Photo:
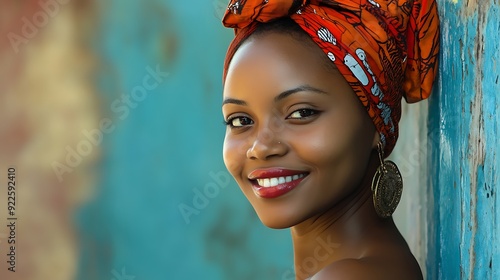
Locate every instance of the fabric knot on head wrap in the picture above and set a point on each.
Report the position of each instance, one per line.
(385, 49)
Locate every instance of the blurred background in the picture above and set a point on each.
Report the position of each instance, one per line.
(110, 113)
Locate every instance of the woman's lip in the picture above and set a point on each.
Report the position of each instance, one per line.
(276, 191)
(273, 173)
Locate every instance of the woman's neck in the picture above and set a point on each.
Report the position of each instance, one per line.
(339, 232)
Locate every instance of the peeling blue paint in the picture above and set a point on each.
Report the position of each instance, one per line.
(465, 159)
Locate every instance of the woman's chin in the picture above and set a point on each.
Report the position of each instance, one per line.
(277, 221)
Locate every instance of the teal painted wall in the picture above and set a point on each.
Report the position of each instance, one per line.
(464, 143)
(165, 154)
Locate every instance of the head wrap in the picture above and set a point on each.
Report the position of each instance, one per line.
(385, 49)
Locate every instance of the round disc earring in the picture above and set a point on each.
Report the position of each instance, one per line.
(387, 186)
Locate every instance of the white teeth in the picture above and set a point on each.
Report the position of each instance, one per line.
(266, 183)
(273, 182)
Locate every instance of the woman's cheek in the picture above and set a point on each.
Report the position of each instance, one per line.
(233, 154)
(318, 142)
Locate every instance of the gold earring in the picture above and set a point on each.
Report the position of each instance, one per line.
(387, 186)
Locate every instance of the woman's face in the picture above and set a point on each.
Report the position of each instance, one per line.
(298, 139)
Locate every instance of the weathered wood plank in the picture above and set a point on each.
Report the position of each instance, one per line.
(464, 128)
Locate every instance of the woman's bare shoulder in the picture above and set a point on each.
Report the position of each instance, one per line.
(370, 268)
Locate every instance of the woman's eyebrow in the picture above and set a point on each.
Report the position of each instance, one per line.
(289, 92)
(234, 101)
(279, 97)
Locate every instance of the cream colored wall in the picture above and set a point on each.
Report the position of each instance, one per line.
(410, 154)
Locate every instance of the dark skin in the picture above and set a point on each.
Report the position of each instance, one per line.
(319, 128)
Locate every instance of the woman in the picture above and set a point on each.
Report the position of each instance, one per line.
(312, 93)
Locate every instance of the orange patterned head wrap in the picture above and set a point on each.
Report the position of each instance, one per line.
(385, 49)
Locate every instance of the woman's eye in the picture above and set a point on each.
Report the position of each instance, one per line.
(303, 113)
(239, 121)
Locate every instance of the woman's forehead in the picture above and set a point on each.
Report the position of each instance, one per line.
(273, 51)
(276, 63)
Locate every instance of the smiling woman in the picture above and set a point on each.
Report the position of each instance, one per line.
(293, 120)
(305, 151)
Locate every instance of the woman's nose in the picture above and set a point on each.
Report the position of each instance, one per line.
(266, 145)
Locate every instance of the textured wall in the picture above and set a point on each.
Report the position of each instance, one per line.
(464, 135)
